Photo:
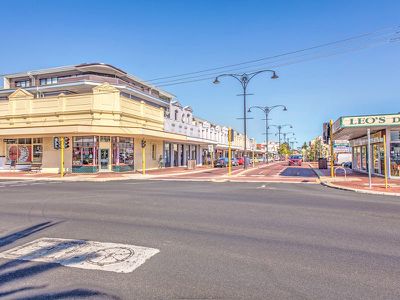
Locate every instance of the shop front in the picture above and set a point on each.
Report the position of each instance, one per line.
(176, 154)
(91, 154)
(382, 129)
(21, 153)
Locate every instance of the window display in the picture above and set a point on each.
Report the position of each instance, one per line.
(21, 151)
(395, 159)
(122, 151)
(84, 151)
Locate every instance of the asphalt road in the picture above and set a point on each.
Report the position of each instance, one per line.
(216, 240)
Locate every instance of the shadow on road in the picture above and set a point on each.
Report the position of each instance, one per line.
(17, 270)
(301, 172)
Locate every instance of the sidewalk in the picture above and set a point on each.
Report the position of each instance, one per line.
(358, 182)
(105, 176)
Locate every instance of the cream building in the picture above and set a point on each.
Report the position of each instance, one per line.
(105, 113)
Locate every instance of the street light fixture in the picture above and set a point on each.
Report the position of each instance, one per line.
(244, 80)
(267, 110)
(280, 129)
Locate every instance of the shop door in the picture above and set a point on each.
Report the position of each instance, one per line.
(104, 159)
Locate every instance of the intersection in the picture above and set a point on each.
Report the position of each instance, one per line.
(217, 240)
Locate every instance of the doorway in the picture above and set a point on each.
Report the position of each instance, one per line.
(104, 159)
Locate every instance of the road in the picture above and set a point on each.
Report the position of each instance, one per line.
(216, 240)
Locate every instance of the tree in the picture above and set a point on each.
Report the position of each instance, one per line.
(284, 149)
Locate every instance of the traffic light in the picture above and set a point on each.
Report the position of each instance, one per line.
(326, 133)
(56, 143)
(66, 142)
(143, 143)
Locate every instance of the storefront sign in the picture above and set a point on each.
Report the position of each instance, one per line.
(341, 147)
(365, 121)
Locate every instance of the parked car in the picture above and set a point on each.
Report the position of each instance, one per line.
(223, 162)
(295, 160)
(240, 160)
(347, 164)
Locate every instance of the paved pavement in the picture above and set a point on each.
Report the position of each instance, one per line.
(216, 240)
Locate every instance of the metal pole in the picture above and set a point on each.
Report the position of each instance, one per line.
(369, 157)
(331, 148)
(245, 127)
(385, 161)
(143, 160)
(229, 152)
(62, 157)
(266, 134)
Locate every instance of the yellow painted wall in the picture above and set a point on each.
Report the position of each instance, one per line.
(150, 162)
(51, 157)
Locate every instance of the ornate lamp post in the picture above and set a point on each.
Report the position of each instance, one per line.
(266, 110)
(244, 80)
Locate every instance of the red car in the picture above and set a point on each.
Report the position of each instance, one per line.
(240, 160)
(295, 160)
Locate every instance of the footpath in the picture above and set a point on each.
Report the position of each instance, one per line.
(357, 182)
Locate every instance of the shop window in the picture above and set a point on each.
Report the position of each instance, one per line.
(395, 158)
(395, 136)
(123, 151)
(105, 139)
(154, 151)
(84, 151)
(21, 151)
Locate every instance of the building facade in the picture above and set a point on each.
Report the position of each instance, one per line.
(106, 114)
(383, 129)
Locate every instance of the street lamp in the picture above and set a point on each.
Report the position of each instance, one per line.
(285, 135)
(267, 110)
(280, 130)
(244, 80)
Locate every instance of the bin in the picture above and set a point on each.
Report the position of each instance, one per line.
(191, 165)
(322, 163)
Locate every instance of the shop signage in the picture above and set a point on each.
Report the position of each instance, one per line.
(10, 141)
(366, 121)
(341, 147)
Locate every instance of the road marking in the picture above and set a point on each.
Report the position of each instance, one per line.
(120, 258)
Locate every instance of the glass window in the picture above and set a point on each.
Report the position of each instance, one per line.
(395, 159)
(154, 151)
(37, 153)
(123, 151)
(54, 80)
(395, 136)
(42, 81)
(21, 151)
(84, 151)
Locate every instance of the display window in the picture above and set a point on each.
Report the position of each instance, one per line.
(123, 151)
(395, 158)
(84, 151)
(24, 151)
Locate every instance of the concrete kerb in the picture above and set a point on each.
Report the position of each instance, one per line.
(344, 188)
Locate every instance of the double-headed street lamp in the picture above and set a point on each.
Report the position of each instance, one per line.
(244, 80)
(285, 134)
(267, 110)
(280, 127)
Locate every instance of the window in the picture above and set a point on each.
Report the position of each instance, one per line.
(47, 81)
(154, 151)
(23, 151)
(122, 151)
(23, 83)
(84, 151)
(176, 115)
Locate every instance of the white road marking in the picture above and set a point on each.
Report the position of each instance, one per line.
(120, 258)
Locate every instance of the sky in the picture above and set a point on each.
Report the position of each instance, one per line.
(152, 39)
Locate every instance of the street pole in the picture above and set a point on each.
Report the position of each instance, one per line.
(229, 152)
(266, 110)
(244, 80)
(62, 157)
(331, 147)
(369, 157)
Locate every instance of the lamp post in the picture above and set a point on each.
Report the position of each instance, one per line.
(266, 110)
(280, 127)
(244, 80)
(285, 135)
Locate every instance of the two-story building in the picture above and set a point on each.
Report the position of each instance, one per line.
(104, 111)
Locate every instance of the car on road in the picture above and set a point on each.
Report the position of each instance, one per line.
(223, 162)
(347, 164)
(240, 160)
(295, 160)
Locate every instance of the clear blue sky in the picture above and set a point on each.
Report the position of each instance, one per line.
(159, 38)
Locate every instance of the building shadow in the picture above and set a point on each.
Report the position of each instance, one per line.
(18, 271)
